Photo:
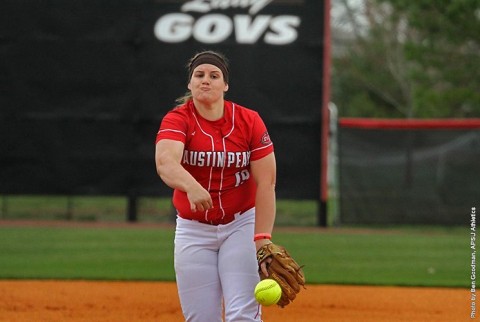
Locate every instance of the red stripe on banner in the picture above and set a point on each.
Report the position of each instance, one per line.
(409, 124)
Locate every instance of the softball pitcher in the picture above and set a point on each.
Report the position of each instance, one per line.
(219, 159)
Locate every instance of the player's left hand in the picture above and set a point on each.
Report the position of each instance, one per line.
(263, 266)
(274, 262)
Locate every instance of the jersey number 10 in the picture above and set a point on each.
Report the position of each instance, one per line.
(241, 177)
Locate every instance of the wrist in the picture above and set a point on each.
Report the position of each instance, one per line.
(261, 236)
(261, 242)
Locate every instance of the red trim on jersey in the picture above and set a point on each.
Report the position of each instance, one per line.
(409, 124)
(218, 154)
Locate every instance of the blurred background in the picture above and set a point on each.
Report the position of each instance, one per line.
(373, 106)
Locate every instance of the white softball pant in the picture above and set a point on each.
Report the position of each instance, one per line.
(216, 267)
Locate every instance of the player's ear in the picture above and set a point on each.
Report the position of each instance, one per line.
(225, 89)
(189, 86)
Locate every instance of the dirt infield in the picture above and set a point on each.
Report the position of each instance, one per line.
(91, 301)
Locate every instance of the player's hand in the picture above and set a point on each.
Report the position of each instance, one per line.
(263, 266)
(200, 199)
(283, 269)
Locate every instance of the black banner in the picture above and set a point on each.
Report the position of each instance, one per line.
(84, 85)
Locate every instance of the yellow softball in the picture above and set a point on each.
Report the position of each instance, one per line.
(268, 292)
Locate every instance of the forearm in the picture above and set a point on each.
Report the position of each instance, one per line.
(176, 177)
(264, 210)
(168, 155)
(264, 172)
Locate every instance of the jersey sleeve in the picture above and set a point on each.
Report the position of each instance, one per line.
(174, 126)
(261, 144)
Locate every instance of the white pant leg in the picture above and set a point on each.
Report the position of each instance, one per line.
(196, 268)
(238, 269)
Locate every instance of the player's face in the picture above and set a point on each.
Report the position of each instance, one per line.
(207, 84)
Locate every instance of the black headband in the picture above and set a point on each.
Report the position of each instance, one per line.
(209, 58)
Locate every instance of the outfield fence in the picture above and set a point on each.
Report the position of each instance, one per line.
(408, 171)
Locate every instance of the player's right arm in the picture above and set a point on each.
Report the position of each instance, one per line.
(168, 155)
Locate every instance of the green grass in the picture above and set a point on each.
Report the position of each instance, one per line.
(407, 256)
(114, 208)
(86, 253)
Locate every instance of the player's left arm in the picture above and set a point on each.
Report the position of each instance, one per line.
(264, 173)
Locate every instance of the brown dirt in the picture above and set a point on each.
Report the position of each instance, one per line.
(25, 300)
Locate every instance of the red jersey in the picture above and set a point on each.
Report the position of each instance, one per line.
(218, 154)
